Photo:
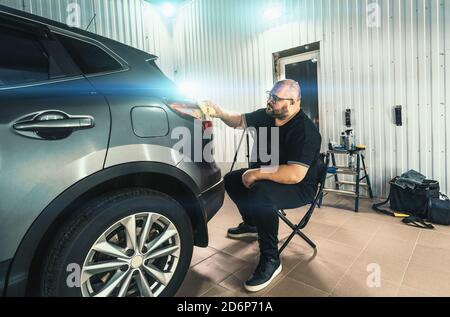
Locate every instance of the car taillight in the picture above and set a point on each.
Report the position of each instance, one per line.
(207, 125)
(191, 110)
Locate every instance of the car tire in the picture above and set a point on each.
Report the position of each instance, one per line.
(99, 233)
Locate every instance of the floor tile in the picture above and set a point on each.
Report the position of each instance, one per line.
(392, 247)
(406, 291)
(219, 291)
(355, 284)
(433, 258)
(392, 268)
(244, 250)
(429, 280)
(356, 238)
(429, 238)
(318, 229)
(398, 231)
(319, 274)
(291, 288)
(218, 267)
(201, 254)
(363, 224)
(194, 285)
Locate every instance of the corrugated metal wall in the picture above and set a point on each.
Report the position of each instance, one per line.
(226, 47)
(133, 22)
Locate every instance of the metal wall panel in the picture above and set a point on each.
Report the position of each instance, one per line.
(225, 47)
(13, 4)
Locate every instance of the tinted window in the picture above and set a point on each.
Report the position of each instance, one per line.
(22, 58)
(90, 58)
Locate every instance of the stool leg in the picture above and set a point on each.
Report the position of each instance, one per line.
(287, 242)
(301, 234)
(319, 204)
(358, 179)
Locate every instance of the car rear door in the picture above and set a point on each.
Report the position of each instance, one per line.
(54, 126)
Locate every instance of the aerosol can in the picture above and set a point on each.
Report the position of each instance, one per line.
(348, 140)
(351, 161)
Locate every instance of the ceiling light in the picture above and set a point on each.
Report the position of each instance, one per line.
(168, 9)
(273, 13)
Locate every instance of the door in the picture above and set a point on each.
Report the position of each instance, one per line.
(304, 69)
(54, 126)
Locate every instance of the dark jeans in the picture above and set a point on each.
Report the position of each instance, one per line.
(258, 205)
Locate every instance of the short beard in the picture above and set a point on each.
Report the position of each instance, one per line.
(280, 115)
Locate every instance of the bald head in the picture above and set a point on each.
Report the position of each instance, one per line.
(284, 100)
(291, 87)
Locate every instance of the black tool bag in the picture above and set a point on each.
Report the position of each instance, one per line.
(410, 201)
(439, 211)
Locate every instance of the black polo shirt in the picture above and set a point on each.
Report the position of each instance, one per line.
(299, 142)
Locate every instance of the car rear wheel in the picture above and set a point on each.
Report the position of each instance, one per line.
(133, 243)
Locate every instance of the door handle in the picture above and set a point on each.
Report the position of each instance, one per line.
(70, 123)
(52, 125)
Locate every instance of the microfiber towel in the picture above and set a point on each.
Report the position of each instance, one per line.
(410, 179)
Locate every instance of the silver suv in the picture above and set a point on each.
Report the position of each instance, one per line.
(95, 200)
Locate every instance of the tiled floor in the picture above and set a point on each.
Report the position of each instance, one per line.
(412, 262)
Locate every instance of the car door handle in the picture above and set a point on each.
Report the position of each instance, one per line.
(70, 123)
(51, 124)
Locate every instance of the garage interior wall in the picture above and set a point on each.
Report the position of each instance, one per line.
(225, 47)
(223, 50)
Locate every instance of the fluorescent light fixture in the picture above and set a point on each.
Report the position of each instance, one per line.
(273, 13)
(168, 9)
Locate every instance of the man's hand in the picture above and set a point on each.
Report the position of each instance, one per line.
(249, 177)
(211, 109)
(233, 120)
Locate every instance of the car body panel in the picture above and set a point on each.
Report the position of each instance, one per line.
(142, 153)
(4, 267)
(34, 171)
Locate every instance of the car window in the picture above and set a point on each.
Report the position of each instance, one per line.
(90, 58)
(22, 58)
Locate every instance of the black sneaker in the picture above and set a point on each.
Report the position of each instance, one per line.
(243, 231)
(266, 271)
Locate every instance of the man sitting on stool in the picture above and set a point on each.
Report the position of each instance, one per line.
(259, 192)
